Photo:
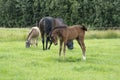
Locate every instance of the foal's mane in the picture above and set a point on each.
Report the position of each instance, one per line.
(59, 27)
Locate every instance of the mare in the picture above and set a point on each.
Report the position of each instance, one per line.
(66, 34)
(46, 25)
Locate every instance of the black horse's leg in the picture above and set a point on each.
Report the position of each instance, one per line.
(50, 44)
(43, 43)
(42, 35)
(47, 40)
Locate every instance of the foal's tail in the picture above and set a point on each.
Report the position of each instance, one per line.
(84, 28)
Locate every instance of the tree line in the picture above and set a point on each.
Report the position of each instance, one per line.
(92, 13)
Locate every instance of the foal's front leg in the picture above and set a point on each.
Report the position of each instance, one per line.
(64, 50)
(61, 43)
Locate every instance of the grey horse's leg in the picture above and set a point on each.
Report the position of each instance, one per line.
(37, 42)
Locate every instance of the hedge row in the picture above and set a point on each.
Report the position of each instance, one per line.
(92, 13)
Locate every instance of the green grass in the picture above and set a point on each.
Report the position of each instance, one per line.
(105, 34)
(13, 34)
(20, 63)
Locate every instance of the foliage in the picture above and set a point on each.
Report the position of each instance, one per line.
(93, 13)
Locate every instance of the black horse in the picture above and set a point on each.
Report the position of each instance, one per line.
(46, 25)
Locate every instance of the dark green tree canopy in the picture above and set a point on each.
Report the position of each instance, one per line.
(92, 13)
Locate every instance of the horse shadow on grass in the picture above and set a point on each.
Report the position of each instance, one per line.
(67, 59)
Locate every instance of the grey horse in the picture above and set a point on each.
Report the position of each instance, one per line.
(32, 37)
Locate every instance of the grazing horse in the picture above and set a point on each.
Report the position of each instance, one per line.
(46, 25)
(66, 34)
(32, 37)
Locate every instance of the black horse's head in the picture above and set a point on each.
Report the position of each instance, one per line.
(27, 44)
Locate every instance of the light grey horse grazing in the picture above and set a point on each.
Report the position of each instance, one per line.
(32, 37)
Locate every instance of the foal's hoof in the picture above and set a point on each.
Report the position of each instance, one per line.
(84, 58)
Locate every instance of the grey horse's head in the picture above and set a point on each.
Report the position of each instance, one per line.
(27, 44)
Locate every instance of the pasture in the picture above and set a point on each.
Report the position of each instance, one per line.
(20, 63)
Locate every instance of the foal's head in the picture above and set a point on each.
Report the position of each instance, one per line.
(53, 37)
(55, 33)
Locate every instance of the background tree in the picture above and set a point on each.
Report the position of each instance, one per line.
(92, 13)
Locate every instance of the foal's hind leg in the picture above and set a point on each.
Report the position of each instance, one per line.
(83, 49)
(82, 45)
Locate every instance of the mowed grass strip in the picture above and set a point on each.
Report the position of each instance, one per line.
(13, 34)
(20, 34)
(20, 63)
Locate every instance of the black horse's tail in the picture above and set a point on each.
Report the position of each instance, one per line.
(84, 28)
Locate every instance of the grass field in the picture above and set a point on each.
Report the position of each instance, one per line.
(19, 63)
